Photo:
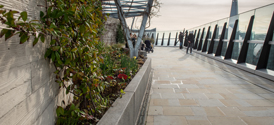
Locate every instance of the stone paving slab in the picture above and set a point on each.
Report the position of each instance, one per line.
(188, 91)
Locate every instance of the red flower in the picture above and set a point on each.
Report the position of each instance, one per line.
(110, 77)
(122, 76)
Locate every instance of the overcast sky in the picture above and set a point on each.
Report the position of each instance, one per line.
(180, 14)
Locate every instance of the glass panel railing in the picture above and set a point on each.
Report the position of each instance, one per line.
(236, 50)
(208, 44)
(212, 26)
(205, 33)
(230, 26)
(216, 42)
(224, 47)
(260, 26)
(243, 22)
(270, 63)
(253, 53)
(261, 22)
(220, 27)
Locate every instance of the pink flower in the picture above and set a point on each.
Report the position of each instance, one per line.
(122, 76)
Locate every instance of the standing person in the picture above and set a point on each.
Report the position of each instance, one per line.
(190, 41)
(181, 37)
(133, 39)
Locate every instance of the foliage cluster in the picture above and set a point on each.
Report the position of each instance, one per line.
(119, 34)
(96, 72)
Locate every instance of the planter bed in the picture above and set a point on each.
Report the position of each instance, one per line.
(126, 110)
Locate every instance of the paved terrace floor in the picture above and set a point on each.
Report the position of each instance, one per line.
(186, 90)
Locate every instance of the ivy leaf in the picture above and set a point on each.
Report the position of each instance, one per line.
(53, 57)
(53, 42)
(60, 111)
(9, 34)
(24, 15)
(35, 41)
(42, 37)
(72, 107)
(48, 52)
(41, 14)
(3, 32)
(24, 38)
(55, 48)
(1, 6)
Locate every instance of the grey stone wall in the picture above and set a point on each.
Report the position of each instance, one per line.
(28, 92)
(109, 35)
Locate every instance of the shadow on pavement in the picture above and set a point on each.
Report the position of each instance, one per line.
(184, 57)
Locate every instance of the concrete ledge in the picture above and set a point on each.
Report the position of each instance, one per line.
(126, 110)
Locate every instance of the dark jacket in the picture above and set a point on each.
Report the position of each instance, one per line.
(181, 37)
(147, 42)
(190, 38)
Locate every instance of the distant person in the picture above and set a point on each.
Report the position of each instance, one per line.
(148, 46)
(133, 39)
(181, 37)
(190, 39)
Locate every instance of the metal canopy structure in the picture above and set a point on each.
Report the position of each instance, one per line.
(123, 9)
(131, 8)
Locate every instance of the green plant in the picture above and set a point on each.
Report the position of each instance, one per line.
(119, 34)
(74, 27)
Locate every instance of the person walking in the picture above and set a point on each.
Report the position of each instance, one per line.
(190, 39)
(181, 37)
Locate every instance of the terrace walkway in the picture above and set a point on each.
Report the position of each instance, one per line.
(195, 90)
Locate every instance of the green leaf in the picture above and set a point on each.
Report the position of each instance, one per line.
(41, 14)
(24, 38)
(24, 15)
(42, 37)
(84, 89)
(48, 52)
(53, 42)
(35, 41)
(60, 111)
(1, 6)
(55, 48)
(9, 34)
(53, 57)
(74, 50)
(82, 28)
(72, 107)
(3, 32)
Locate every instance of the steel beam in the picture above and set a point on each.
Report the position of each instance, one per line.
(143, 26)
(163, 39)
(168, 39)
(157, 39)
(124, 24)
(197, 40)
(206, 40)
(263, 60)
(220, 45)
(175, 41)
(243, 52)
(229, 50)
(201, 40)
(132, 23)
(211, 46)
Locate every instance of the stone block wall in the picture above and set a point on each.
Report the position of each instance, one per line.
(109, 35)
(28, 92)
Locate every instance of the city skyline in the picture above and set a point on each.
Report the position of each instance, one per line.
(180, 14)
